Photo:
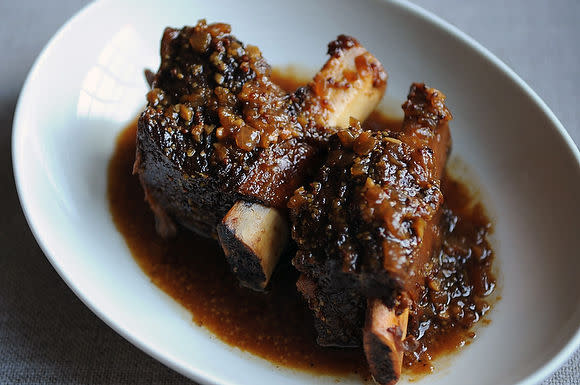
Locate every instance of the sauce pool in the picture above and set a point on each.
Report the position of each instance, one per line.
(278, 325)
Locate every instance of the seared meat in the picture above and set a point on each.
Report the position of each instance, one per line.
(214, 125)
(350, 84)
(217, 130)
(367, 224)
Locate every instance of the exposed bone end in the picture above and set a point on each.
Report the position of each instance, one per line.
(253, 238)
(350, 84)
(383, 337)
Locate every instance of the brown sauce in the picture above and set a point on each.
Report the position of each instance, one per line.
(278, 325)
(461, 282)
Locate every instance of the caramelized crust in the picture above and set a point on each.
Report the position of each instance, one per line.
(217, 129)
(368, 222)
(212, 79)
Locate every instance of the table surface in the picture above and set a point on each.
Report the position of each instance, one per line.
(48, 336)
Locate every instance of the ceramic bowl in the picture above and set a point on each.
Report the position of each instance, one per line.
(88, 84)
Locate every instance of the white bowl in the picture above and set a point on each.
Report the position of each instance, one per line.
(88, 83)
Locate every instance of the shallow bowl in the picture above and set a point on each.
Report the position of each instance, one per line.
(88, 84)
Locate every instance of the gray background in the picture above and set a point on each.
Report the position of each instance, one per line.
(48, 336)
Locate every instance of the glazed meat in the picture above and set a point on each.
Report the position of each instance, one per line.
(366, 226)
(350, 84)
(218, 131)
(213, 123)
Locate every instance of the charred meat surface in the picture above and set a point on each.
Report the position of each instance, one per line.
(218, 134)
(215, 130)
(367, 224)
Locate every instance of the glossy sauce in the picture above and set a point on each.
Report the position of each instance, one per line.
(460, 284)
(278, 325)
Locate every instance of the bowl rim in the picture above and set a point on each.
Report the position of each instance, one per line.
(198, 374)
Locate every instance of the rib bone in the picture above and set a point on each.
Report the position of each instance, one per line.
(350, 84)
(383, 337)
(248, 248)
